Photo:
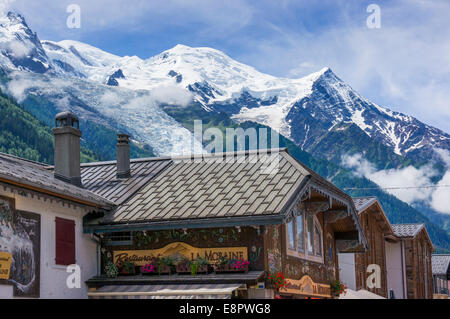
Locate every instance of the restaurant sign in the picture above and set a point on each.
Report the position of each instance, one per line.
(306, 287)
(5, 265)
(180, 249)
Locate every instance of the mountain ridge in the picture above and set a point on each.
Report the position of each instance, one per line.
(112, 93)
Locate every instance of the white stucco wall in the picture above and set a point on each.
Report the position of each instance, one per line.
(53, 277)
(395, 273)
(347, 270)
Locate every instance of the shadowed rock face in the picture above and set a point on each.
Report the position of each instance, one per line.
(112, 80)
(22, 48)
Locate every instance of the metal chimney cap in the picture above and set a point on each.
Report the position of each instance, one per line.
(67, 118)
(123, 138)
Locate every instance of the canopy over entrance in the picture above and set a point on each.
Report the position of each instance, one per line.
(192, 291)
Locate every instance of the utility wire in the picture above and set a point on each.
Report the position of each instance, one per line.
(406, 187)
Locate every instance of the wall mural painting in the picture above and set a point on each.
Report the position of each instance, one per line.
(20, 238)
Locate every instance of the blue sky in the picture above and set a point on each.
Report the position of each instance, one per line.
(404, 65)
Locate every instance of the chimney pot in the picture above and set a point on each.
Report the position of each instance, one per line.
(67, 148)
(123, 156)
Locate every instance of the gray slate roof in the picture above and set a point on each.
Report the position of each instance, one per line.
(406, 230)
(215, 186)
(37, 175)
(100, 177)
(362, 203)
(440, 264)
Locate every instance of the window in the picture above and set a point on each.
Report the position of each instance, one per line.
(317, 240)
(65, 241)
(310, 233)
(291, 235)
(300, 234)
(304, 235)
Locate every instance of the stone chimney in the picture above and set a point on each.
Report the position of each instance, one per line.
(123, 156)
(67, 148)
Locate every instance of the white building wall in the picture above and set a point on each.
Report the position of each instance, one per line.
(394, 267)
(53, 277)
(347, 270)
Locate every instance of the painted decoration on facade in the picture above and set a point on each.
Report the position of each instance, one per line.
(274, 260)
(306, 287)
(20, 237)
(221, 235)
(5, 264)
(141, 257)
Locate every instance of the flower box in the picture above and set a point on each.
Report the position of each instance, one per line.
(230, 268)
(164, 270)
(183, 269)
(186, 269)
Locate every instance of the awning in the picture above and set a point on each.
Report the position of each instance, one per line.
(192, 291)
(360, 294)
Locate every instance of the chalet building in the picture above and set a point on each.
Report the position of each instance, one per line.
(409, 262)
(286, 219)
(401, 251)
(441, 275)
(207, 226)
(41, 228)
(355, 268)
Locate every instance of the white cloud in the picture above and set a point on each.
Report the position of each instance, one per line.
(5, 5)
(171, 95)
(19, 49)
(410, 176)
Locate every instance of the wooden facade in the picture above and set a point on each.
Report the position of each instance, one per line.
(419, 278)
(377, 229)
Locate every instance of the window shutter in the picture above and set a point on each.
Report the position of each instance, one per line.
(65, 241)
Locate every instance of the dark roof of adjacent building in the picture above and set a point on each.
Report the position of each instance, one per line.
(407, 230)
(362, 203)
(36, 176)
(440, 264)
(101, 178)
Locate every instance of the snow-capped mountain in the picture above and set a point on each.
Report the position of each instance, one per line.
(20, 48)
(300, 109)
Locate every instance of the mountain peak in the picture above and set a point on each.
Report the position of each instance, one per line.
(11, 18)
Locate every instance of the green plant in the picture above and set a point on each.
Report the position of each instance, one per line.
(128, 267)
(222, 261)
(194, 268)
(202, 261)
(111, 270)
(337, 287)
(277, 279)
(167, 261)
